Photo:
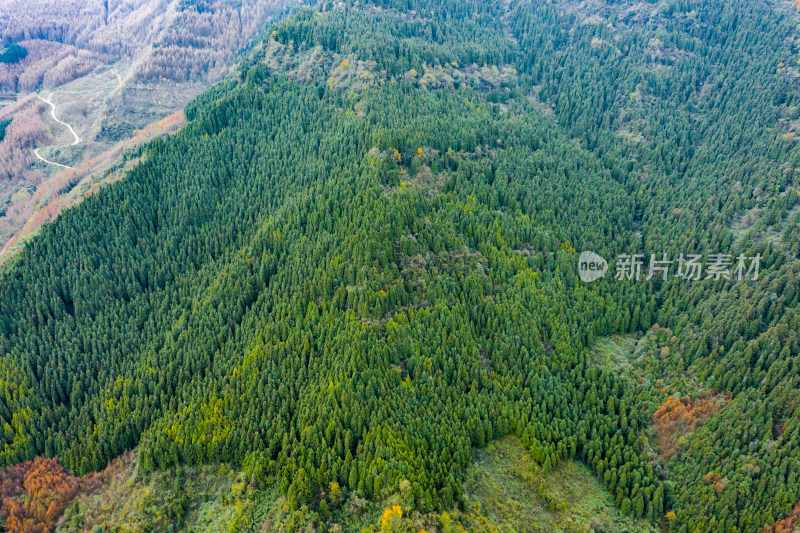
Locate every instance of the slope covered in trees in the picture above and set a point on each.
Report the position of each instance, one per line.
(111, 69)
(697, 98)
(357, 262)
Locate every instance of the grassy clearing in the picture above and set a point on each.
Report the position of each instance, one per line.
(516, 497)
(22, 195)
(646, 360)
(209, 498)
(614, 352)
(198, 499)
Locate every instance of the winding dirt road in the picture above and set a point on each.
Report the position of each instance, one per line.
(53, 114)
(119, 78)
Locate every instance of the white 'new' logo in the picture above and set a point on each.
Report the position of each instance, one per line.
(591, 267)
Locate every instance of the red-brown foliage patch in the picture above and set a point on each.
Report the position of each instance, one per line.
(786, 525)
(35, 493)
(679, 417)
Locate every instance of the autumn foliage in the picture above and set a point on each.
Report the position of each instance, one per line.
(58, 192)
(678, 417)
(35, 493)
(25, 131)
(66, 40)
(788, 524)
(391, 517)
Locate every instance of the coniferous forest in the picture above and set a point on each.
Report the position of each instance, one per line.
(357, 265)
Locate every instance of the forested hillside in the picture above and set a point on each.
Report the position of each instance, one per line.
(80, 80)
(357, 264)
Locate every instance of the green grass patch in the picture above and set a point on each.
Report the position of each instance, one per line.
(516, 496)
(22, 195)
(207, 498)
(614, 352)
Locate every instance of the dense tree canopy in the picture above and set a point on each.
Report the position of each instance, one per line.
(13, 54)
